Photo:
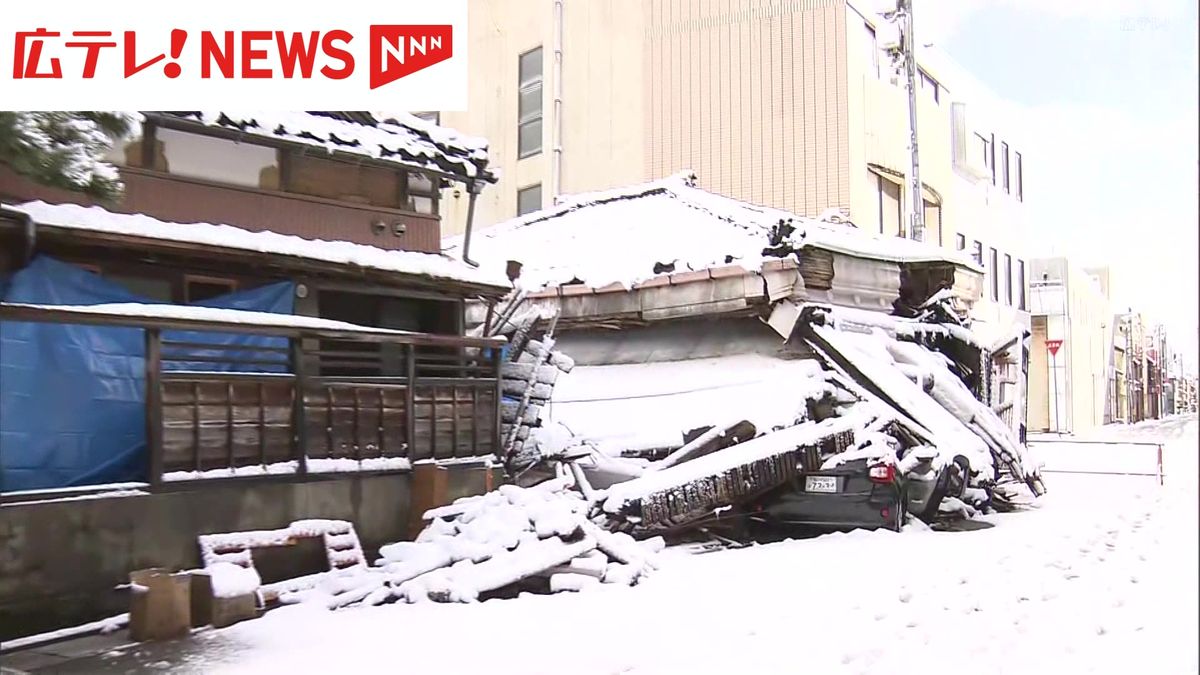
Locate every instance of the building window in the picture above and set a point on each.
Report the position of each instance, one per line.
(930, 85)
(890, 214)
(529, 199)
(529, 104)
(960, 242)
(1008, 280)
(199, 289)
(977, 252)
(1020, 179)
(1004, 167)
(217, 159)
(994, 269)
(984, 146)
(992, 157)
(422, 193)
(872, 51)
(1021, 284)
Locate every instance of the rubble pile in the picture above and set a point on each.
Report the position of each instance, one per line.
(495, 545)
(527, 381)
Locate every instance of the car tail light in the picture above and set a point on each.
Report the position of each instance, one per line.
(882, 473)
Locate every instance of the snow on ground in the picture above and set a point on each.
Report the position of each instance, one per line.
(1100, 577)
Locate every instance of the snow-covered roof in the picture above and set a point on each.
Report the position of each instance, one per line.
(98, 219)
(403, 139)
(621, 235)
(136, 310)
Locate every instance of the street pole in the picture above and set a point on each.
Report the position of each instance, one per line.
(916, 202)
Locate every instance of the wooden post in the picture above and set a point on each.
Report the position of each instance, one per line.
(299, 425)
(410, 413)
(497, 367)
(154, 446)
(430, 489)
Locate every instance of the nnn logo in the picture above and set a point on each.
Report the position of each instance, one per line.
(399, 51)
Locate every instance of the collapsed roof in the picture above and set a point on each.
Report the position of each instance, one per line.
(677, 227)
(400, 138)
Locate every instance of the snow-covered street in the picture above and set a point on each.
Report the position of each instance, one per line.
(1099, 577)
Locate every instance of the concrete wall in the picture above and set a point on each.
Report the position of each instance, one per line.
(59, 560)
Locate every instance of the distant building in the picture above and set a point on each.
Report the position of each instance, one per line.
(1069, 389)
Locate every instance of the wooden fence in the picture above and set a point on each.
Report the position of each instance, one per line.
(308, 401)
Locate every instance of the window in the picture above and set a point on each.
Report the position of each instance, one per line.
(529, 104)
(1008, 280)
(933, 221)
(1021, 284)
(217, 159)
(977, 252)
(984, 146)
(960, 242)
(158, 289)
(529, 199)
(1004, 166)
(872, 51)
(890, 215)
(1020, 179)
(198, 289)
(992, 157)
(930, 85)
(422, 193)
(993, 268)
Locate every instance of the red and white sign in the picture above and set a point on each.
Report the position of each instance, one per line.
(353, 55)
(1053, 346)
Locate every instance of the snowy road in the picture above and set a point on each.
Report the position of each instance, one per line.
(1100, 578)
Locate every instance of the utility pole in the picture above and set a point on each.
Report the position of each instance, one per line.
(915, 201)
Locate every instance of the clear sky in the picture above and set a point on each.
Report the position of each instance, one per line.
(1108, 90)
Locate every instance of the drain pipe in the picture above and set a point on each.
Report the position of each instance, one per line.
(556, 171)
(473, 189)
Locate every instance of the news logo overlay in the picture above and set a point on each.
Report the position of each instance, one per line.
(350, 55)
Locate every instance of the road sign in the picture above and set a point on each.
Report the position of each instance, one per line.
(1053, 346)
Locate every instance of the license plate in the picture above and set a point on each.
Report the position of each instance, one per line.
(820, 484)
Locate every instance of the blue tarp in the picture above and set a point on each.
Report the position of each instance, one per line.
(72, 397)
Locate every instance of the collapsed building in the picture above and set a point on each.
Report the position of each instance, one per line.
(736, 350)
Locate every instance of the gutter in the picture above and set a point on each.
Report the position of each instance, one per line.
(556, 171)
(473, 190)
(28, 232)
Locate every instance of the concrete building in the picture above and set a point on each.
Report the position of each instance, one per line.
(788, 105)
(1068, 389)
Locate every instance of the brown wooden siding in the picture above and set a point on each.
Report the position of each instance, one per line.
(186, 200)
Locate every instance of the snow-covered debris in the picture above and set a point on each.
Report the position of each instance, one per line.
(509, 537)
(97, 219)
(230, 580)
(685, 491)
(646, 406)
(868, 353)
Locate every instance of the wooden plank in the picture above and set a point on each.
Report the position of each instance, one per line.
(153, 398)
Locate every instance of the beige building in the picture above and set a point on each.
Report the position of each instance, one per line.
(1069, 391)
(787, 104)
